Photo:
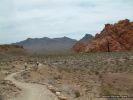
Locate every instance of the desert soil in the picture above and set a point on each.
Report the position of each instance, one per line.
(77, 77)
(31, 91)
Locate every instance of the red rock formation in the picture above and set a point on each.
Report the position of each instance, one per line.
(79, 47)
(117, 37)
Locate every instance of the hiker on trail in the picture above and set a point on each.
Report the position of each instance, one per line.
(36, 66)
(25, 66)
(37, 63)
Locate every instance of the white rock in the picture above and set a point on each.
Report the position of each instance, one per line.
(58, 93)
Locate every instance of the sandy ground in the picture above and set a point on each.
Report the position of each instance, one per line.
(31, 91)
(85, 76)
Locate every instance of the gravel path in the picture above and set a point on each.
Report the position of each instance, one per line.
(31, 91)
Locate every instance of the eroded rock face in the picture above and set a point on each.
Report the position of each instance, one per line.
(117, 37)
(79, 47)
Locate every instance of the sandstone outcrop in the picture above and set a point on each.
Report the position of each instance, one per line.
(79, 47)
(117, 37)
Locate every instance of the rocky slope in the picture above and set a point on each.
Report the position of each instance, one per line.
(11, 49)
(117, 37)
(48, 45)
(81, 44)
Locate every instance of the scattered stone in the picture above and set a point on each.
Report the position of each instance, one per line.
(58, 93)
(52, 89)
(62, 97)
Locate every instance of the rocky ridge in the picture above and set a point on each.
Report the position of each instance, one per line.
(114, 37)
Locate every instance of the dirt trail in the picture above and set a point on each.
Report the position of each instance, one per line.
(31, 91)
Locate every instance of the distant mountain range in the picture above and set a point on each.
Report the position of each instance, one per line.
(50, 45)
(44, 45)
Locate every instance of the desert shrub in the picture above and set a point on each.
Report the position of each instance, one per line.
(96, 73)
(57, 77)
(77, 94)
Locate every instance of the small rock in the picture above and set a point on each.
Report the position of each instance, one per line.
(58, 93)
(62, 98)
(52, 89)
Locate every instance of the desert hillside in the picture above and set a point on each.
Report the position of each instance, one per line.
(16, 49)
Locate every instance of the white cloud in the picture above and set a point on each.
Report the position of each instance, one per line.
(20, 19)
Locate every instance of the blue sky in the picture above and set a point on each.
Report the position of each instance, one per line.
(20, 19)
